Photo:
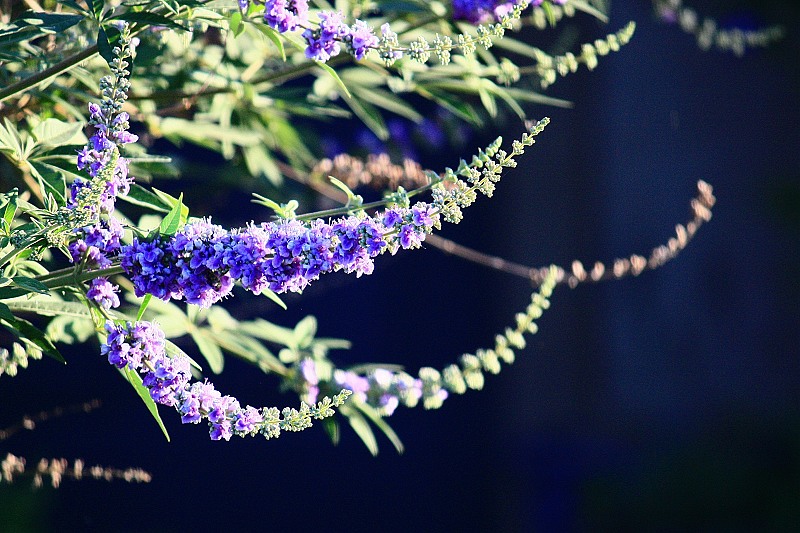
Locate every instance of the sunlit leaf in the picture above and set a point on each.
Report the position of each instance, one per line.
(132, 377)
(362, 429)
(210, 350)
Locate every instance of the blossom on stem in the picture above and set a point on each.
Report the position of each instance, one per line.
(202, 261)
(141, 347)
(286, 15)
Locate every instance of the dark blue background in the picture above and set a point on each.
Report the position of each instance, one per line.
(666, 402)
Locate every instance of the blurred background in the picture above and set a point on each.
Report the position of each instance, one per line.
(668, 402)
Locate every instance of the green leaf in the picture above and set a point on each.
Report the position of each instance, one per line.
(142, 197)
(96, 7)
(248, 349)
(143, 306)
(327, 68)
(263, 329)
(104, 46)
(488, 101)
(274, 297)
(381, 424)
(133, 377)
(453, 104)
(148, 18)
(25, 330)
(235, 24)
(273, 36)
(362, 429)
(548, 12)
(30, 284)
(74, 5)
(210, 350)
(10, 139)
(331, 426)
(9, 210)
(31, 25)
(9, 292)
(169, 226)
(259, 162)
(54, 132)
(341, 186)
(388, 101)
(49, 307)
(70, 330)
(304, 332)
(586, 7)
(370, 116)
(51, 179)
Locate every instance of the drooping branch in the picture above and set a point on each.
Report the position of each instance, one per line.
(379, 172)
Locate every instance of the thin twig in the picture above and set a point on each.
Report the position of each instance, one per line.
(356, 173)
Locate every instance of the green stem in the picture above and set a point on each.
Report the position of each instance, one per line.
(346, 210)
(72, 278)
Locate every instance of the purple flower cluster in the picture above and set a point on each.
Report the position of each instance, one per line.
(325, 41)
(97, 244)
(224, 414)
(285, 15)
(141, 347)
(99, 153)
(202, 261)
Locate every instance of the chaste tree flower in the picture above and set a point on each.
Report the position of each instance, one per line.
(202, 262)
(141, 347)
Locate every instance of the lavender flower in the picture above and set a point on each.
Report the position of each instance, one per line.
(91, 201)
(103, 293)
(323, 43)
(361, 39)
(202, 261)
(286, 15)
(141, 347)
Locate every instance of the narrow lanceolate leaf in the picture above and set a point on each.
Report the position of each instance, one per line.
(273, 36)
(142, 197)
(31, 25)
(274, 297)
(96, 7)
(9, 210)
(143, 306)
(50, 307)
(332, 429)
(51, 179)
(173, 220)
(135, 380)
(170, 201)
(210, 350)
(104, 46)
(336, 78)
(362, 429)
(381, 424)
